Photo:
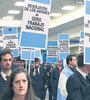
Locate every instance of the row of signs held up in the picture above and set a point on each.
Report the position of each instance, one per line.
(34, 31)
(55, 49)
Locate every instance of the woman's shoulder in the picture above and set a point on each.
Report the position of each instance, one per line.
(9, 99)
(35, 98)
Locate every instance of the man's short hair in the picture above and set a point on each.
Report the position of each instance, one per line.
(69, 58)
(80, 60)
(36, 60)
(18, 58)
(59, 59)
(7, 49)
(4, 52)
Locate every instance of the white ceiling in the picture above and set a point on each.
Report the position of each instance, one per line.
(56, 5)
(56, 24)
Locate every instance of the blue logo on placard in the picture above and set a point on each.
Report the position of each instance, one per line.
(9, 29)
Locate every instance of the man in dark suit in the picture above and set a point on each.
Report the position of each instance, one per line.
(86, 95)
(69, 68)
(5, 63)
(49, 70)
(55, 77)
(77, 82)
(38, 79)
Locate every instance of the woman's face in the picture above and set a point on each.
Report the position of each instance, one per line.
(20, 84)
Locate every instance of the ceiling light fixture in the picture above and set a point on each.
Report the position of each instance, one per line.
(13, 12)
(8, 18)
(20, 4)
(55, 14)
(68, 7)
(79, 2)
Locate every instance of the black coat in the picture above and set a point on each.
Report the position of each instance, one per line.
(38, 82)
(75, 86)
(3, 82)
(86, 95)
(2, 85)
(54, 78)
(48, 74)
(54, 82)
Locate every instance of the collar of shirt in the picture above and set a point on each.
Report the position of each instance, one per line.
(82, 73)
(38, 68)
(73, 69)
(4, 75)
(53, 65)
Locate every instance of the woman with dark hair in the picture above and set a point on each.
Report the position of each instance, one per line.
(18, 86)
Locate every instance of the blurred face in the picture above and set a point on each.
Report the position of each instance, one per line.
(14, 62)
(20, 63)
(37, 64)
(20, 84)
(59, 62)
(45, 64)
(73, 63)
(88, 68)
(6, 61)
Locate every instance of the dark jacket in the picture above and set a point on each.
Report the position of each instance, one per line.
(33, 98)
(86, 95)
(75, 86)
(38, 82)
(2, 85)
(54, 81)
(3, 82)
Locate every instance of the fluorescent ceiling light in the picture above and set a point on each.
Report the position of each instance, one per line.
(8, 17)
(55, 14)
(68, 7)
(13, 12)
(79, 2)
(20, 3)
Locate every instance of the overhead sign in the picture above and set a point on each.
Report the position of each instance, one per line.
(10, 39)
(64, 45)
(87, 32)
(81, 43)
(52, 51)
(34, 30)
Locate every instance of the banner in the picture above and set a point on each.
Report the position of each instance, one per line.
(26, 54)
(81, 43)
(10, 39)
(64, 45)
(34, 30)
(30, 54)
(87, 32)
(52, 52)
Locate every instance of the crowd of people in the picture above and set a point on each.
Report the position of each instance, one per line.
(69, 82)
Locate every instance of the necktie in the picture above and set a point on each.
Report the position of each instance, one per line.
(7, 77)
(59, 69)
(87, 78)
